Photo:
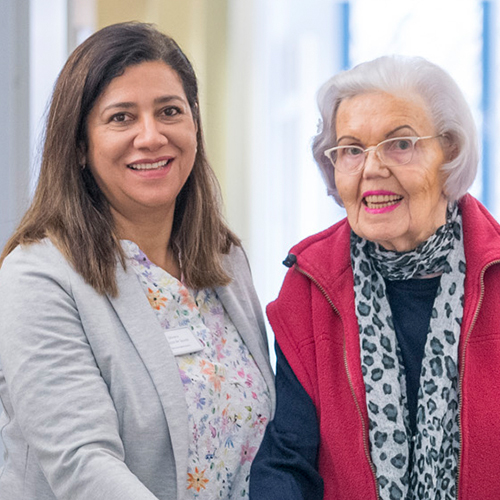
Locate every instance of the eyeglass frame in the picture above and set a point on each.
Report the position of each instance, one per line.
(413, 139)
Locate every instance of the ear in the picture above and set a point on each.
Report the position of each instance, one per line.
(450, 147)
(196, 116)
(82, 155)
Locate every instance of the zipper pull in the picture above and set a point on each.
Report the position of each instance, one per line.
(290, 260)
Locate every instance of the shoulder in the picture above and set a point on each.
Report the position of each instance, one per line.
(477, 219)
(481, 233)
(41, 252)
(241, 289)
(29, 264)
(236, 263)
(321, 243)
(325, 255)
(323, 268)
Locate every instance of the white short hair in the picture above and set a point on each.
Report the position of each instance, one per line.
(399, 75)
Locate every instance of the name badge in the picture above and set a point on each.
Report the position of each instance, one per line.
(183, 341)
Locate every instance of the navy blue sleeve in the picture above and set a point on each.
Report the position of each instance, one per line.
(286, 465)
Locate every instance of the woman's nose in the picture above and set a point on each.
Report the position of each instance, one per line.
(374, 166)
(150, 134)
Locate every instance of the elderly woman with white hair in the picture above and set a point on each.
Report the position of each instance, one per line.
(387, 324)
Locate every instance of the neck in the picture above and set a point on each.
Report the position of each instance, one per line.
(152, 236)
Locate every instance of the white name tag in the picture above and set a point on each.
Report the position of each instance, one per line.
(183, 341)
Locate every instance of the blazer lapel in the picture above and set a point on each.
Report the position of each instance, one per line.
(241, 310)
(144, 330)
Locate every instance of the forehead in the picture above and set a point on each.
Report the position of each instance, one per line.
(378, 113)
(155, 76)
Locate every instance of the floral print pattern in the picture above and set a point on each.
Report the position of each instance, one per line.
(156, 300)
(228, 400)
(197, 480)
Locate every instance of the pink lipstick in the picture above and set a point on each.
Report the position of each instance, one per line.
(381, 202)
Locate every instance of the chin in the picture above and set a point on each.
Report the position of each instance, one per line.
(390, 241)
(378, 236)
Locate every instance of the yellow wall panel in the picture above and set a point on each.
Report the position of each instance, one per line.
(117, 11)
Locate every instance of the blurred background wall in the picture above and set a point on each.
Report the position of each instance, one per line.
(259, 64)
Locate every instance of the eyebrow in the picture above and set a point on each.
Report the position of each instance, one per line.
(158, 100)
(387, 136)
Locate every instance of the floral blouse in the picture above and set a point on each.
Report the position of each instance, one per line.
(228, 400)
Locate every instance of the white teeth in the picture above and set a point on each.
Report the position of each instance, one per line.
(382, 200)
(148, 166)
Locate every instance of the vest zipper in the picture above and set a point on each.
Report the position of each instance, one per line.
(363, 425)
(462, 366)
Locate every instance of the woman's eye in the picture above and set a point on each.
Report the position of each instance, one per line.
(172, 111)
(402, 144)
(353, 151)
(119, 117)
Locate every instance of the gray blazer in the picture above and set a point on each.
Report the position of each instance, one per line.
(94, 407)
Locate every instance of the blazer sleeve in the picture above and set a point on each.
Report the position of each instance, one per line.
(285, 467)
(57, 397)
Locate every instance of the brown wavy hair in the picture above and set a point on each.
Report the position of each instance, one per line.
(69, 208)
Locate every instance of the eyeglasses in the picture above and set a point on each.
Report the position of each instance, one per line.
(391, 152)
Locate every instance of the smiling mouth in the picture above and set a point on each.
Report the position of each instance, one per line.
(150, 166)
(381, 201)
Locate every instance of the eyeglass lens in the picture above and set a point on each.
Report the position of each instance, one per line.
(398, 151)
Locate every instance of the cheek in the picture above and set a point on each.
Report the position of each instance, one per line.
(99, 165)
(192, 142)
(433, 177)
(347, 188)
(108, 147)
(102, 165)
(94, 153)
(429, 186)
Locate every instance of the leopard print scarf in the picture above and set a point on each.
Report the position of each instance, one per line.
(436, 445)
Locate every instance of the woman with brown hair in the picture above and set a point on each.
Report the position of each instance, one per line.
(133, 356)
